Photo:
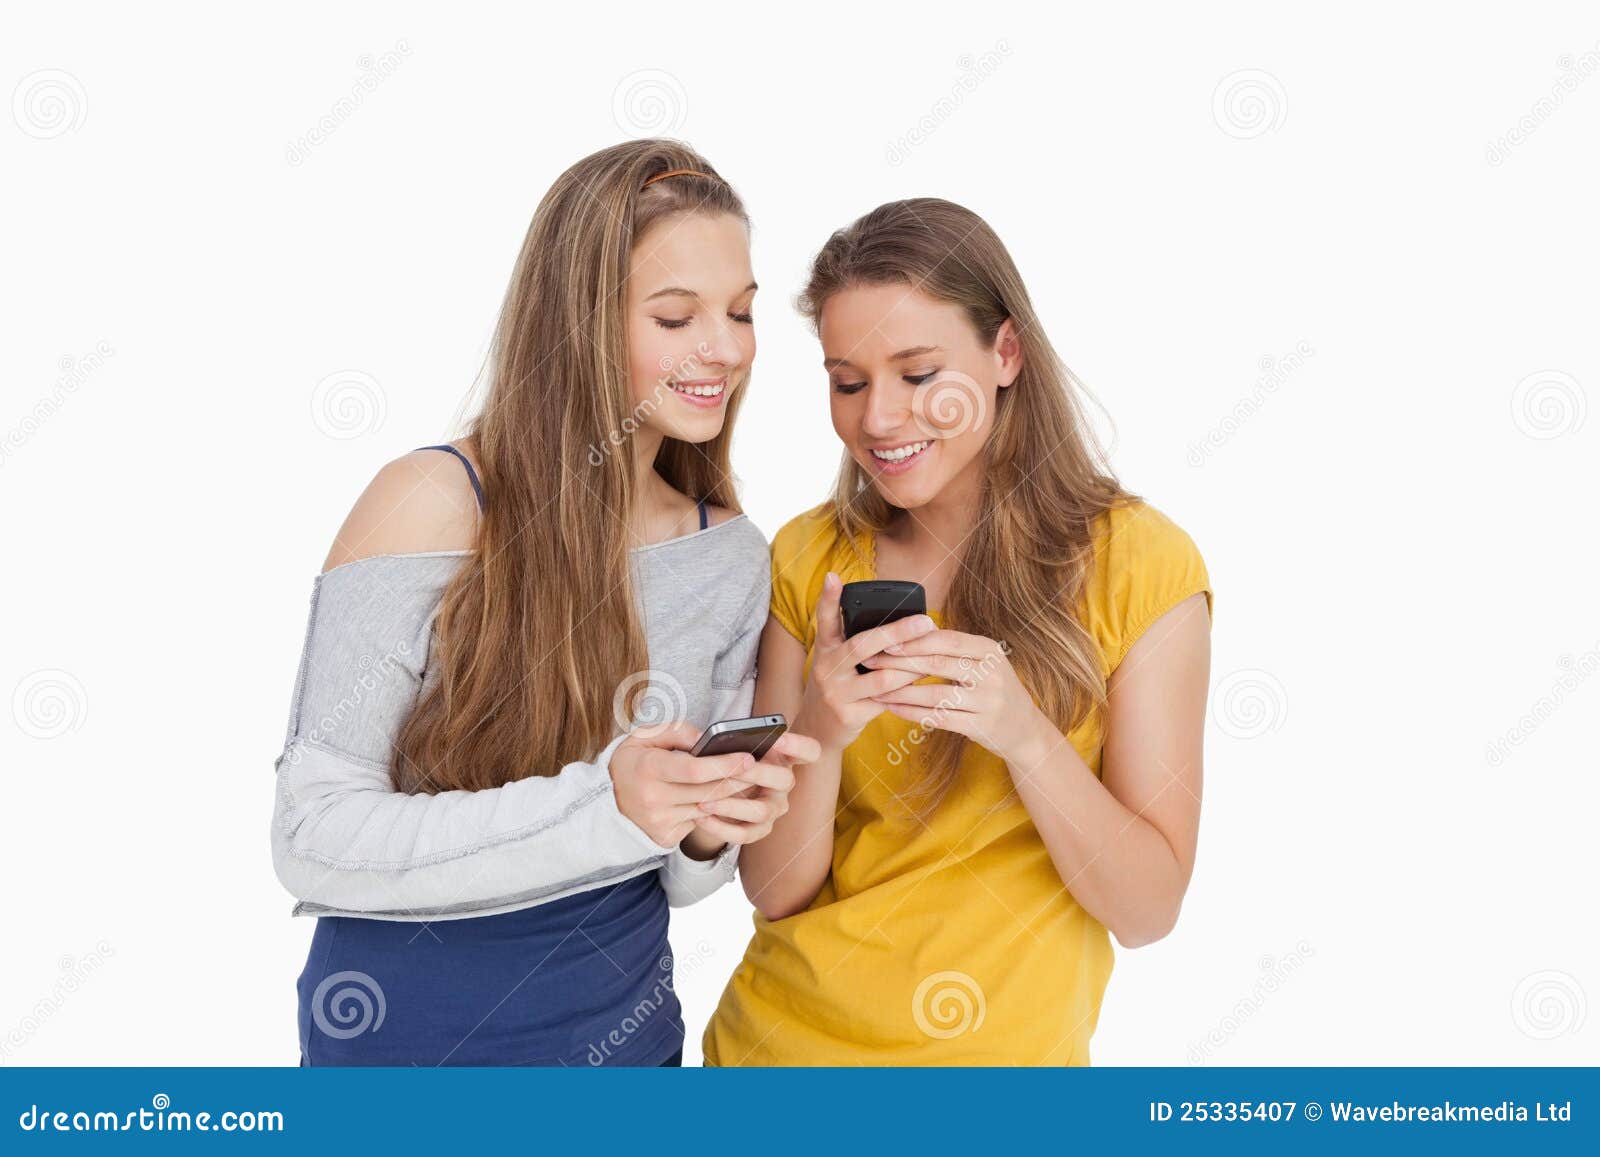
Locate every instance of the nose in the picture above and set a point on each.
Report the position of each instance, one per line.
(887, 410)
(722, 348)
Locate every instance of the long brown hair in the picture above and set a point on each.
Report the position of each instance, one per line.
(538, 633)
(1046, 480)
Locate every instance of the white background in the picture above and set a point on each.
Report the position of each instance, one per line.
(1397, 859)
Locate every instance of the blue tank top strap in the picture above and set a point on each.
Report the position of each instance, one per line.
(703, 520)
(477, 487)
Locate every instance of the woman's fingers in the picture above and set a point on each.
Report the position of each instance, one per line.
(957, 721)
(944, 642)
(941, 666)
(730, 832)
(830, 623)
(772, 776)
(885, 683)
(901, 632)
(681, 767)
(792, 748)
(752, 811)
(947, 695)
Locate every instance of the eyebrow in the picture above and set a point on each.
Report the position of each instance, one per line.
(679, 291)
(915, 351)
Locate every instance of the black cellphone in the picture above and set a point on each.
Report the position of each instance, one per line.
(755, 735)
(872, 604)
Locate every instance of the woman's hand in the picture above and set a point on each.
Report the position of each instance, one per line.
(660, 786)
(983, 700)
(748, 814)
(839, 702)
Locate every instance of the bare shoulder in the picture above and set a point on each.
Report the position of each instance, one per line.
(717, 514)
(421, 501)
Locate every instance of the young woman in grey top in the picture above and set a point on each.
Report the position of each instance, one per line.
(485, 794)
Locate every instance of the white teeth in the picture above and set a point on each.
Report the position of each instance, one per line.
(899, 452)
(699, 391)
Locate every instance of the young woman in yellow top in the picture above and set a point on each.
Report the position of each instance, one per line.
(1020, 770)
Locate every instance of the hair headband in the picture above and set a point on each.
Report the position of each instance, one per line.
(676, 173)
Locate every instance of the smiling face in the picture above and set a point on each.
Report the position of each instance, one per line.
(690, 335)
(912, 387)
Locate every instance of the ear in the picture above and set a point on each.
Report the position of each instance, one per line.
(1008, 352)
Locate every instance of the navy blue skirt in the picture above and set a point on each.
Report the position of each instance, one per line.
(584, 980)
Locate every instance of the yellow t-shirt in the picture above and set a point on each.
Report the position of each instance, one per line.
(951, 942)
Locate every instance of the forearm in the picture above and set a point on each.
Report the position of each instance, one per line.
(783, 872)
(1118, 866)
(342, 838)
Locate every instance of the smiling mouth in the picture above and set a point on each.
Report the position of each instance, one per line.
(899, 455)
(702, 393)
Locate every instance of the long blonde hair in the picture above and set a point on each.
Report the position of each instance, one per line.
(539, 629)
(1046, 479)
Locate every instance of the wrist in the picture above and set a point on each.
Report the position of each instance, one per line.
(1033, 745)
(697, 845)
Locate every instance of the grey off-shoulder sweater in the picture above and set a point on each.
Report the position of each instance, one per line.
(344, 843)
